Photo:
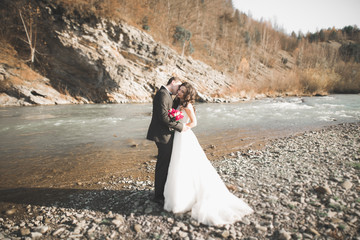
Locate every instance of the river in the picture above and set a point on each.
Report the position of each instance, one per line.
(55, 146)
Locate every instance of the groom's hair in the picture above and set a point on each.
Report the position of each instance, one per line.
(173, 79)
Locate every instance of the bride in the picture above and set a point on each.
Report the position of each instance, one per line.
(192, 183)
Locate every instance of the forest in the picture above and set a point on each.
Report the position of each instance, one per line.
(257, 56)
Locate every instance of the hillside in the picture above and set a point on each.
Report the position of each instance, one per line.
(119, 51)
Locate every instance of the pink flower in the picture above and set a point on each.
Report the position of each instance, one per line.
(175, 115)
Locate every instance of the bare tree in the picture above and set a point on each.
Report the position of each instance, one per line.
(29, 25)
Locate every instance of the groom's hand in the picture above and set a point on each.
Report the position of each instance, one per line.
(185, 128)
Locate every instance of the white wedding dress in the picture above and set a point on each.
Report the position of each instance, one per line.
(193, 185)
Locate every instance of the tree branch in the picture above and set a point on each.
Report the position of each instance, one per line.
(27, 34)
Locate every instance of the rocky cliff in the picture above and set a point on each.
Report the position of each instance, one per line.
(92, 60)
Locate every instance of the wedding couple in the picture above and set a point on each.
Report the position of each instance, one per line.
(185, 180)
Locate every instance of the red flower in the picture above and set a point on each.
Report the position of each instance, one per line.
(175, 115)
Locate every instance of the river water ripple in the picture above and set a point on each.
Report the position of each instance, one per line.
(50, 145)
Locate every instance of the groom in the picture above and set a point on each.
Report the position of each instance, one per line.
(161, 130)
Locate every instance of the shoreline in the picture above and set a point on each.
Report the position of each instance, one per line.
(85, 165)
(301, 186)
(202, 99)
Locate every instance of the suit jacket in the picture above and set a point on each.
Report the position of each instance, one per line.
(161, 128)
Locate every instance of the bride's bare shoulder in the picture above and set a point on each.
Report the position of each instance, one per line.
(190, 106)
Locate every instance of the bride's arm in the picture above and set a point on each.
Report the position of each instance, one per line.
(191, 113)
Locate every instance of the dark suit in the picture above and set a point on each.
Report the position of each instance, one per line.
(161, 130)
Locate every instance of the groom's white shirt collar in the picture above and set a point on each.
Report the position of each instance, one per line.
(167, 89)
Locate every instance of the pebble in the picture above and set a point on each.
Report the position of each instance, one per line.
(137, 228)
(299, 186)
(284, 235)
(183, 234)
(347, 185)
(42, 229)
(117, 222)
(58, 231)
(148, 210)
(323, 190)
(24, 231)
(261, 228)
(225, 234)
(10, 211)
(35, 235)
(314, 231)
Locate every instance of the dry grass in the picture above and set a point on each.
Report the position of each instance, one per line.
(8, 54)
(7, 58)
(18, 71)
(229, 41)
(219, 33)
(349, 78)
(318, 80)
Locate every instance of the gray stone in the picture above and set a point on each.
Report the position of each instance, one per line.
(35, 235)
(225, 234)
(261, 228)
(148, 210)
(117, 222)
(182, 226)
(24, 231)
(42, 229)
(10, 211)
(58, 231)
(323, 189)
(347, 185)
(297, 173)
(174, 230)
(245, 221)
(183, 234)
(284, 235)
(137, 228)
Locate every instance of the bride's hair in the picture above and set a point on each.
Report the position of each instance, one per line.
(189, 96)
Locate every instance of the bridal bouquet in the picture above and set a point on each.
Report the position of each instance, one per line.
(175, 115)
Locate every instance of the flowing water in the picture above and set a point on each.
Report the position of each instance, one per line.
(50, 145)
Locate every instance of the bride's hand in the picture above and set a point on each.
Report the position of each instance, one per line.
(185, 128)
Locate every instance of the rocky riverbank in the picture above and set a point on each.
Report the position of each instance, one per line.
(82, 58)
(96, 60)
(301, 187)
